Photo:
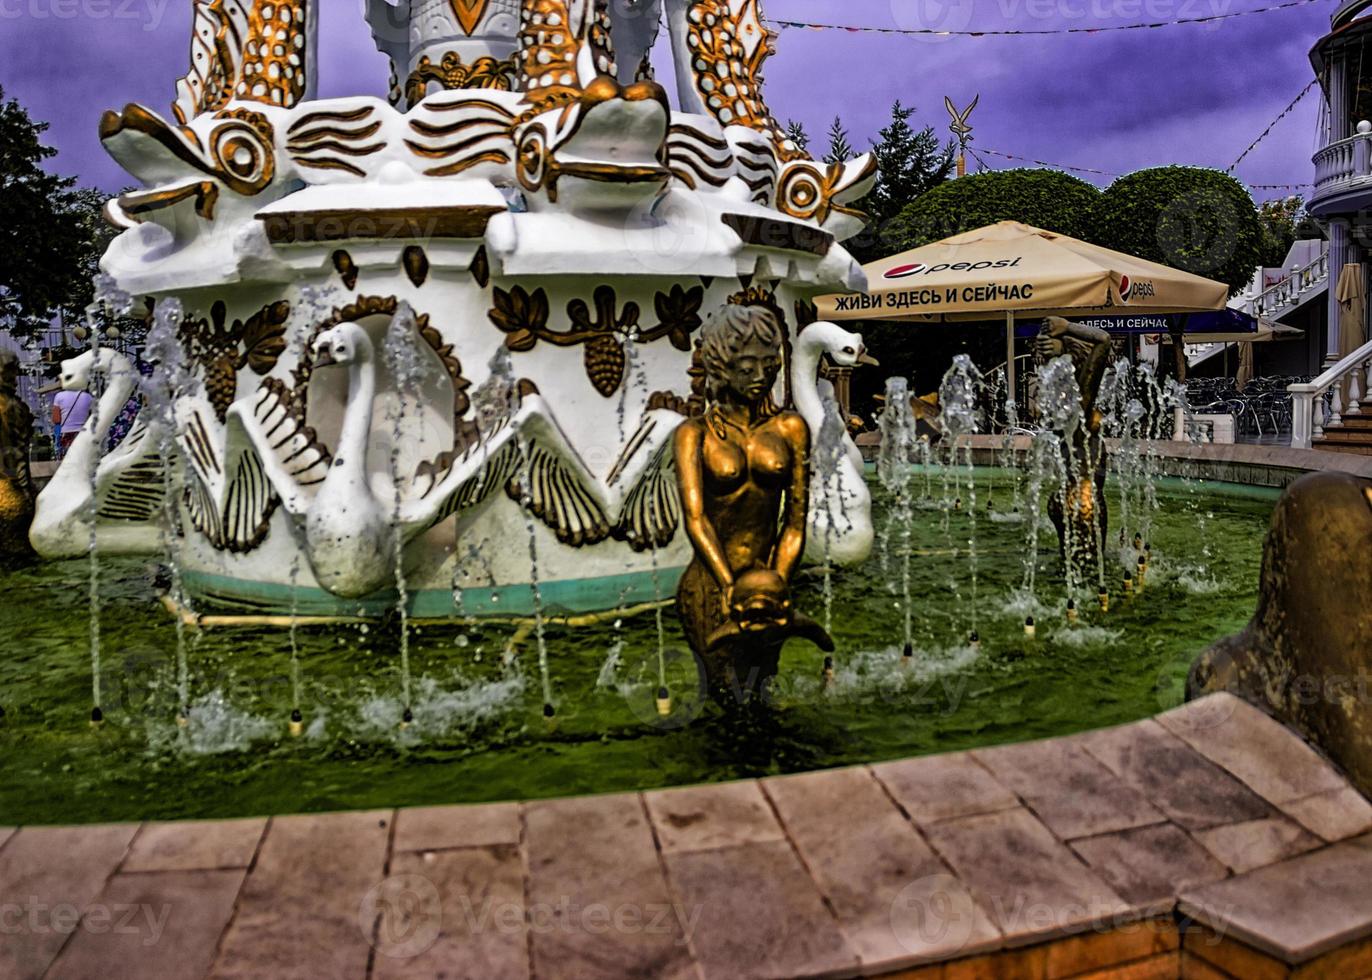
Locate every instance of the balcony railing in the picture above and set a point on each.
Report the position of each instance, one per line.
(1344, 161)
(1280, 297)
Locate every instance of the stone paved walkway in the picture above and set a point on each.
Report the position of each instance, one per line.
(1207, 842)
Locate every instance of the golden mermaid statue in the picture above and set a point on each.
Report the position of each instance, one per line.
(744, 474)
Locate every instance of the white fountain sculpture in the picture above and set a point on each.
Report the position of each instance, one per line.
(127, 482)
(528, 188)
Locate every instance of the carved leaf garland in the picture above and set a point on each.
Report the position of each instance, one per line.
(522, 316)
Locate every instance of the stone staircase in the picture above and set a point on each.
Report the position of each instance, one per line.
(1353, 436)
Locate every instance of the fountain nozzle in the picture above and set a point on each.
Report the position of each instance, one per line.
(183, 717)
(974, 640)
(1104, 601)
(549, 711)
(908, 653)
(664, 703)
(1030, 629)
(828, 671)
(97, 717)
(1143, 570)
(297, 723)
(1071, 610)
(407, 719)
(957, 503)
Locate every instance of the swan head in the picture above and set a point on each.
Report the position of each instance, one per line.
(844, 347)
(76, 373)
(344, 344)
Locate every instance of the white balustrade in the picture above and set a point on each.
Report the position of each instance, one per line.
(1278, 298)
(1318, 405)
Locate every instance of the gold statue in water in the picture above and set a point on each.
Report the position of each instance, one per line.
(744, 474)
(1084, 454)
(16, 485)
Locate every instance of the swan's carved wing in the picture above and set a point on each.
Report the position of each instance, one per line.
(644, 480)
(531, 460)
(228, 496)
(289, 452)
(131, 482)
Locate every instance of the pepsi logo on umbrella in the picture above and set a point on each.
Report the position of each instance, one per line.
(908, 269)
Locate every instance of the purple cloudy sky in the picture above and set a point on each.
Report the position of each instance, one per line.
(1115, 101)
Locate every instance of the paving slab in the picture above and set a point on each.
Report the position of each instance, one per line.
(440, 828)
(5, 834)
(53, 874)
(300, 913)
(1260, 751)
(1256, 843)
(697, 818)
(1147, 865)
(457, 914)
(1190, 789)
(1294, 910)
(1033, 887)
(940, 787)
(593, 854)
(897, 903)
(163, 924)
(1067, 788)
(758, 913)
(1333, 816)
(195, 845)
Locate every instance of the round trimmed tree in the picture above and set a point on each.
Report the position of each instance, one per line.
(1191, 218)
(1048, 199)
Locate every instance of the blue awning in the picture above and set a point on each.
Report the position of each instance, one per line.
(1217, 321)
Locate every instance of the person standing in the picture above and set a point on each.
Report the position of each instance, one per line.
(70, 409)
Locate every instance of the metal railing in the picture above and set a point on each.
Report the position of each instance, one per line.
(1319, 405)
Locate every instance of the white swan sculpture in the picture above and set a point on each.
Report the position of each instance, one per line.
(128, 482)
(268, 453)
(840, 519)
(351, 534)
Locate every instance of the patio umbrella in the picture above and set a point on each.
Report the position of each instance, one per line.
(1246, 371)
(1352, 304)
(1010, 268)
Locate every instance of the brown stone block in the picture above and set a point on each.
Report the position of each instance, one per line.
(696, 818)
(939, 787)
(53, 874)
(1183, 784)
(1027, 880)
(1263, 753)
(1333, 816)
(1354, 960)
(1256, 843)
(300, 912)
(1231, 956)
(1296, 910)
(1069, 790)
(471, 925)
(759, 914)
(1097, 951)
(1147, 866)
(439, 828)
(597, 853)
(1008, 964)
(1163, 966)
(156, 924)
(896, 902)
(195, 845)
(1195, 968)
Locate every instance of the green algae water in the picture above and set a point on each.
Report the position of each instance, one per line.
(478, 731)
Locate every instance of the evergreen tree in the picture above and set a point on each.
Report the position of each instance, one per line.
(796, 131)
(840, 150)
(909, 163)
(46, 237)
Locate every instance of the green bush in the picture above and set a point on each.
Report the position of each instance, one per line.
(1190, 218)
(1047, 199)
